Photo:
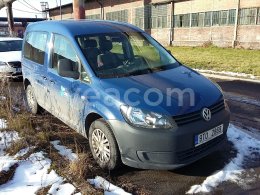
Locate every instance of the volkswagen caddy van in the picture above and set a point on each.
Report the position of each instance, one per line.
(117, 86)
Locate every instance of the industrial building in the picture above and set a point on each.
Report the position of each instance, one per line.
(225, 23)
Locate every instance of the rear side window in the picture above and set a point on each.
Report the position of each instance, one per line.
(34, 46)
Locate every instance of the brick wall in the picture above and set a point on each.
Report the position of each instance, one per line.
(248, 36)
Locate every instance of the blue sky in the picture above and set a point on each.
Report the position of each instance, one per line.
(28, 8)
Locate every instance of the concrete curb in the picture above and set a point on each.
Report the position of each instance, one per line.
(225, 77)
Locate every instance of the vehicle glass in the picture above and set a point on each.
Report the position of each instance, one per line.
(14, 45)
(34, 46)
(84, 75)
(124, 54)
(62, 49)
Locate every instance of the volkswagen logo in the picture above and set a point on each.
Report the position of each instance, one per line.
(206, 114)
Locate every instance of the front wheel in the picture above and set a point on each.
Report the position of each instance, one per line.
(32, 103)
(103, 145)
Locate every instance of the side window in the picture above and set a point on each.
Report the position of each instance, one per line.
(62, 49)
(34, 47)
(84, 75)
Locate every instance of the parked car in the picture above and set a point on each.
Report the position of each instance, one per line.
(126, 93)
(10, 57)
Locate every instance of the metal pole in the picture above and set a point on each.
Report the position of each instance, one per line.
(79, 9)
(10, 18)
(60, 11)
(172, 23)
(236, 25)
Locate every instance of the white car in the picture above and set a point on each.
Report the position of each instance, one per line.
(10, 57)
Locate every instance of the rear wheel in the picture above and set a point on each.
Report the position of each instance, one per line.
(103, 145)
(32, 103)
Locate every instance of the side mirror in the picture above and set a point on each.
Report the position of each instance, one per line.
(66, 69)
(169, 51)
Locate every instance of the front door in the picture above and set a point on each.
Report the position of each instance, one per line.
(61, 89)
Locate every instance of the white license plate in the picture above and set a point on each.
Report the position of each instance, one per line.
(18, 70)
(208, 135)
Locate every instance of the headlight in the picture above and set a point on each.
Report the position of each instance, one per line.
(3, 63)
(145, 119)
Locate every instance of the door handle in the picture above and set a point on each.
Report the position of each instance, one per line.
(52, 82)
(44, 78)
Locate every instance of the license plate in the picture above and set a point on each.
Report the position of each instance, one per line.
(208, 135)
(18, 70)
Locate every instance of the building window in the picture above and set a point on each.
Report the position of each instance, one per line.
(223, 17)
(232, 16)
(151, 16)
(207, 19)
(186, 20)
(194, 19)
(201, 19)
(139, 17)
(215, 18)
(182, 20)
(121, 16)
(158, 16)
(177, 21)
(94, 17)
(248, 16)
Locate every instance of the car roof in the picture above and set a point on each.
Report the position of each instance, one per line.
(81, 27)
(9, 38)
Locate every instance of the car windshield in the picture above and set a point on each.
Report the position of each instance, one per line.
(113, 55)
(11, 45)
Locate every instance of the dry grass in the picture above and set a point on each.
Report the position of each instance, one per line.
(38, 131)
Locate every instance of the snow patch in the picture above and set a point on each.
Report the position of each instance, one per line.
(6, 139)
(62, 189)
(64, 151)
(246, 146)
(109, 188)
(242, 99)
(226, 73)
(3, 124)
(31, 175)
(8, 161)
(2, 98)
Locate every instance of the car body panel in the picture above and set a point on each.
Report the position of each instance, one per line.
(73, 100)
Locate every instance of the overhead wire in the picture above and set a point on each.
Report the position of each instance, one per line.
(28, 6)
(31, 5)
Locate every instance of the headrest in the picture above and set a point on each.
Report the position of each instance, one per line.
(90, 43)
(105, 45)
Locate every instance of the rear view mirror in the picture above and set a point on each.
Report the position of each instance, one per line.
(66, 69)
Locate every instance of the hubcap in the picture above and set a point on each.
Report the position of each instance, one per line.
(101, 145)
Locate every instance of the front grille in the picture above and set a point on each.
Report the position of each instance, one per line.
(196, 116)
(15, 64)
(193, 152)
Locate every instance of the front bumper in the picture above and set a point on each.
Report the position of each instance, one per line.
(10, 72)
(167, 149)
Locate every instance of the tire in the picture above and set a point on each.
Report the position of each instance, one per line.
(107, 155)
(32, 103)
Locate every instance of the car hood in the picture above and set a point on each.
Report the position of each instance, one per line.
(10, 56)
(198, 91)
